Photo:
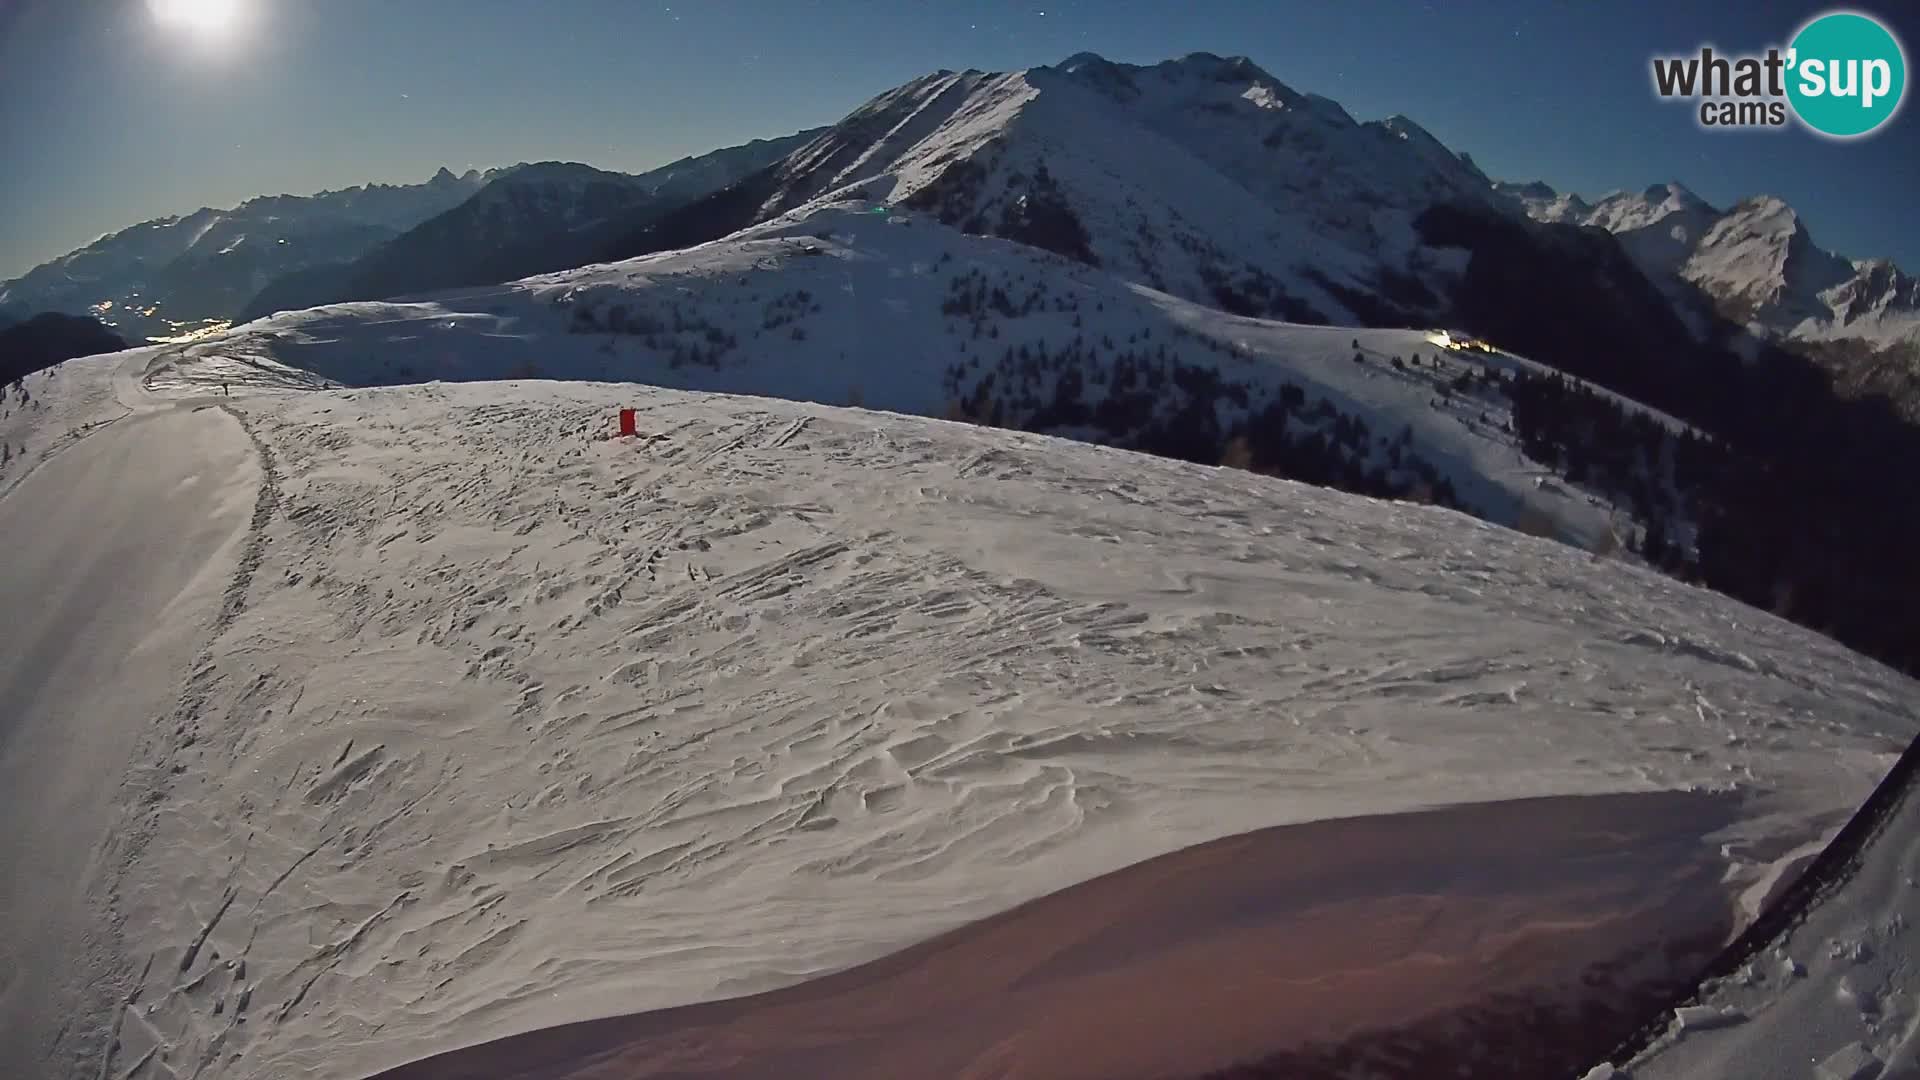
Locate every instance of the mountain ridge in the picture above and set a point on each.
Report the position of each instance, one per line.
(525, 219)
(1208, 178)
(1755, 263)
(178, 273)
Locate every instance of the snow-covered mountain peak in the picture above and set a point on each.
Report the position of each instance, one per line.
(1768, 213)
(1085, 61)
(1214, 67)
(1460, 175)
(1198, 81)
(1542, 203)
(1203, 176)
(1625, 211)
(1760, 262)
(1676, 194)
(1403, 127)
(1755, 263)
(1879, 290)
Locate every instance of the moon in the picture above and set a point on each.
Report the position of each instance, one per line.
(199, 18)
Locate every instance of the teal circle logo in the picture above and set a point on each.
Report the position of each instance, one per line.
(1846, 74)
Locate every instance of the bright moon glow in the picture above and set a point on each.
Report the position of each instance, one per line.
(205, 18)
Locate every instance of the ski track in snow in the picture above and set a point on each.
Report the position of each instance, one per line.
(517, 724)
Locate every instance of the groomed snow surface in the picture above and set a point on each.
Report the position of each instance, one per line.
(502, 723)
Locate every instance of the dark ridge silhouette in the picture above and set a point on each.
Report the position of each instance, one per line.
(705, 219)
(505, 232)
(531, 219)
(47, 339)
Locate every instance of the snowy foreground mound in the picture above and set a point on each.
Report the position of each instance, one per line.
(518, 725)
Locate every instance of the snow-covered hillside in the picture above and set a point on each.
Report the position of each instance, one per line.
(506, 723)
(176, 273)
(1203, 177)
(1756, 263)
(858, 302)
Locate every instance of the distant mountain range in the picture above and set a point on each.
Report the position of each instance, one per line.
(173, 274)
(527, 219)
(1756, 265)
(1756, 262)
(178, 274)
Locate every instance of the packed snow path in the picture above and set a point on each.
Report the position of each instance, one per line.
(119, 551)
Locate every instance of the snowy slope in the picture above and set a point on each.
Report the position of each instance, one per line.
(176, 273)
(510, 724)
(899, 312)
(45, 412)
(127, 540)
(1835, 995)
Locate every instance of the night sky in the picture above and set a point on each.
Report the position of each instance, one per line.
(107, 118)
